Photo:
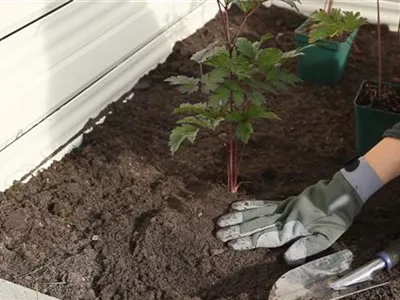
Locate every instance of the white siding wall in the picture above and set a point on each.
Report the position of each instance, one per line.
(61, 62)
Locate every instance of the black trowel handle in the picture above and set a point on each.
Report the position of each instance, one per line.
(391, 255)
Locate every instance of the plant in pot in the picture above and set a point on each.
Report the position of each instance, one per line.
(235, 76)
(377, 105)
(332, 31)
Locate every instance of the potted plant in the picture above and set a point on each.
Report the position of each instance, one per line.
(377, 105)
(332, 32)
(235, 75)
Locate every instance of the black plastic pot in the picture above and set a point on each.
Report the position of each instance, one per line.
(371, 123)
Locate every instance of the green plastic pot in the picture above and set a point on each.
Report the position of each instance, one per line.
(325, 62)
(371, 123)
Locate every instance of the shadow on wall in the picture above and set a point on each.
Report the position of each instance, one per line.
(64, 68)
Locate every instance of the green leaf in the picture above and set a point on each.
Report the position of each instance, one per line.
(218, 59)
(245, 47)
(241, 67)
(201, 122)
(256, 98)
(280, 79)
(252, 113)
(197, 108)
(333, 24)
(244, 131)
(220, 98)
(269, 115)
(232, 85)
(209, 51)
(211, 81)
(234, 116)
(188, 85)
(265, 37)
(238, 97)
(247, 5)
(296, 52)
(269, 57)
(261, 86)
(180, 134)
(194, 121)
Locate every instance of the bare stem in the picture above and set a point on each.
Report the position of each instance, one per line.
(225, 21)
(328, 5)
(379, 49)
(244, 22)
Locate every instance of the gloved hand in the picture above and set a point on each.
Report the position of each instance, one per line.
(313, 220)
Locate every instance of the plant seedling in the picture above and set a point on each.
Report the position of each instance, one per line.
(333, 24)
(239, 74)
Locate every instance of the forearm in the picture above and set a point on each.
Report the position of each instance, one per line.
(384, 157)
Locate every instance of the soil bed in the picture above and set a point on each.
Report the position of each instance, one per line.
(119, 218)
(389, 101)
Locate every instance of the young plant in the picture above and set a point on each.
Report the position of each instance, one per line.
(333, 24)
(239, 73)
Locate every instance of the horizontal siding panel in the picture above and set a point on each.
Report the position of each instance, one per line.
(69, 50)
(15, 14)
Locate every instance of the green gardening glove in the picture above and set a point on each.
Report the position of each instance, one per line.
(311, 221)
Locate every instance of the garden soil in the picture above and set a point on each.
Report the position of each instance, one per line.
(120, 218)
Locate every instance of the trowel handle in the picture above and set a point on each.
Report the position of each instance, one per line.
(391, 255)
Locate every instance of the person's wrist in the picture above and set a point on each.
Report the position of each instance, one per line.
(384, 159)
(362, 178)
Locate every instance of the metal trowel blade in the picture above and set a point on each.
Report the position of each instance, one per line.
(312, 280)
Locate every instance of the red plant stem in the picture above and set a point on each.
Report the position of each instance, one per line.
(379, 49)
(244, 22)
(225, 21)
(328, 5)
(232, 165)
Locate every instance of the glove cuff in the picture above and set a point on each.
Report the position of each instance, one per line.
(362, 178)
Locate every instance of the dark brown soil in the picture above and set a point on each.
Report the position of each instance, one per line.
(389, 99)
(119, 218)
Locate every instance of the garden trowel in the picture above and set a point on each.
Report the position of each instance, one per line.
(331, 277)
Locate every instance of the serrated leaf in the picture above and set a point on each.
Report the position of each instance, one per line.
(234, 116)
(188, 85)
(197, 108)
(280, 79)
(269, 57)
(256, 98)
(244, 131)
(241, 67)
(296, 52)
(194, 121)
(261, 86)
(247, 5)
(212, 80)
(202, 55)
(333, 24)
(245, 47)
(251, 113)
(232, 85)
(220, 98)
(218, 59)
(238, 97)
(201, 122)
(265, 37)
(180, 134)
(269, 115)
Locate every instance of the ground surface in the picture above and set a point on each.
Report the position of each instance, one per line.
(119, 218)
